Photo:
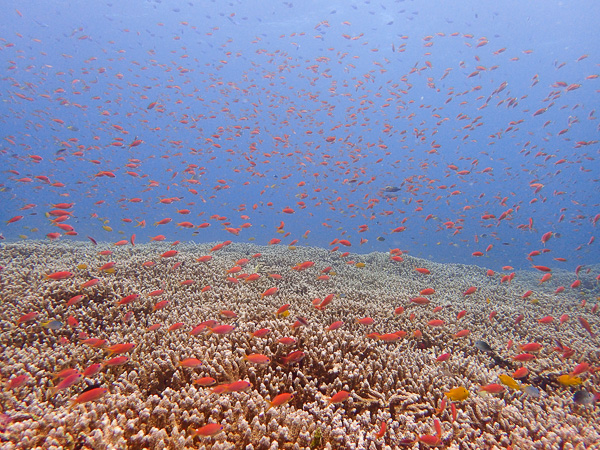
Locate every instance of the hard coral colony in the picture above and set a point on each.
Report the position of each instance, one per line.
(182, 389)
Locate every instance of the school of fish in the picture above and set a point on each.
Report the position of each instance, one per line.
(223, 199)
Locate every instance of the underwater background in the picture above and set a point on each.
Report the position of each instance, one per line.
(430, 166)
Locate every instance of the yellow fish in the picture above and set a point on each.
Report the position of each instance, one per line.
(291, 247)
(569, 380)
(509, 381)
(82, 266)
(457, 394)
(360, 264)
(106, 228)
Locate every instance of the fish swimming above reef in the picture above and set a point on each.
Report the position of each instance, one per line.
(584, 397)
(483, 346)
(457, 394)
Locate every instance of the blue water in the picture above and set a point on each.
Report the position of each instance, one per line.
(247, 94)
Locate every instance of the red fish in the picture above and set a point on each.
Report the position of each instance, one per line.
(339, 397)
(221, 329)
(493, 388)
(210, 429)
(268, 292)
(120, 348)
(59, 275)
(470, 291)
(524, 357)
(89, 396)
(585, 324)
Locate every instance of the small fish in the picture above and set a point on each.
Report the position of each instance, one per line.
(209, 429)
(236, 386)
(257, 358)
(524, 357)
(483, 346)
(89, 396)
(120, 348)
(585, 324)
(521, 372)
(116, 361)
(339, 397)
(569, 380)
(190, 362)
(205, 381)
(531, 347)
(583, 397)
(531, 390)
(66, 383)
(92, 370)
(365, 321)
(28, 317)
(221, 329)
(509, 381)
(268, 292)
(457, 394)
(493, 388)
(58, 275)
(17, 382)
(53, 324)
(293, 357)
(286, 341)
(279, 400)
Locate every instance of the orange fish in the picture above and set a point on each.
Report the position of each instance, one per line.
(461, 333)
(221, 329)
(27, 317)
(257, 358)
(339, 397)
(270, 291)
(190, 362)
(470, 291)
(280, 399)
(493, 388)
(58, 275)
(531, 347)
(204, 381)
(120, 348)
(365, 321)
(335, 325)
(585, 324)
(524, 357)
(420, 300)
(546, 319)
(160, 305)
(521, 372)
(210, 429)
(89, 396)
(90, 283)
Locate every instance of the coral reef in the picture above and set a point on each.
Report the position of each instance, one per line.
(153, 402)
